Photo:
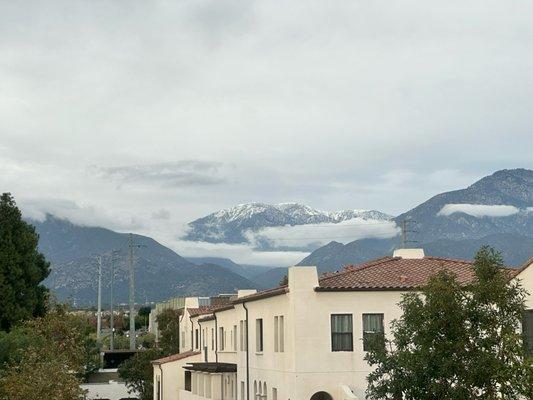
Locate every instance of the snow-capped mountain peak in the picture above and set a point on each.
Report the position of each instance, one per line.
(229, 225)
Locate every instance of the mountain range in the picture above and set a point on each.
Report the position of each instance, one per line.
(160, 273)
(232, 225)
(496, 210)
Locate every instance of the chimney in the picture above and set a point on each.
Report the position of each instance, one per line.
(302, 278)
(409, 253)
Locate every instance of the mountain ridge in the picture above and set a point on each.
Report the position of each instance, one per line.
(230, 225)
(160, 272)
(458, 234)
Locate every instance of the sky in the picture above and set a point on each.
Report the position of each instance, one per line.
(142, 116)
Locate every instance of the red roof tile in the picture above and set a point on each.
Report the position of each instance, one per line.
(176, 357)
(262, 294)
(194, 312)
(390, 273)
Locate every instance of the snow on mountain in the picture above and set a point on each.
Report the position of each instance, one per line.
(230, 225)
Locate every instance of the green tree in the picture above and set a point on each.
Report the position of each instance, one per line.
(141, 319)
(456, 342)
(147, 340)
(168, 322)
(138, 373)
(52, 361)
(22, 267)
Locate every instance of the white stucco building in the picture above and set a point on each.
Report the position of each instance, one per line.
(302, 341)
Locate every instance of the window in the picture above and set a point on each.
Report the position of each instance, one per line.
(221, 338)
(372, 331)
(276, 331)
(183, 339)
(527, 329)
(245, 335)
(281, 334)
(274, 394)
(188, 381)
(341, 332)
(259, 335)
(212, 339)
(243, 393)
(196, 342)
(241, 337)
(279, 340)
(235, 337)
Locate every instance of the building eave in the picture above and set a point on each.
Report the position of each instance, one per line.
(262, 295)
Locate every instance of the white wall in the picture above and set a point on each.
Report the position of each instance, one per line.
(308, 364)
(526, 279)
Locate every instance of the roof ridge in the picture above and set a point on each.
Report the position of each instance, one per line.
(362, 266)
(175, 357)
(458, 260)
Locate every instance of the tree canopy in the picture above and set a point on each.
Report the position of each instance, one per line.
(168, 323)
(456, 342)
(47, 359)
(22, 267)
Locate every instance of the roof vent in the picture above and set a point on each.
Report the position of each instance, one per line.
(409, 253)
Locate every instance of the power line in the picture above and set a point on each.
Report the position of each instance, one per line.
(406, 231)
(99, 312)
(132, 246)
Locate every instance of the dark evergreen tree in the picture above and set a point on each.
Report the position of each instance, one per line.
(22, 267)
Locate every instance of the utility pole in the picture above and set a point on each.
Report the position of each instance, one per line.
(405, 231)
(112, 317)
(131, 246)
(99, 312)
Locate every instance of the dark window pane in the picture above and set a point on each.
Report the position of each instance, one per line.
(341, 332)
(373, 331)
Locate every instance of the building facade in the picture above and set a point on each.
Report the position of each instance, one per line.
(306, 340)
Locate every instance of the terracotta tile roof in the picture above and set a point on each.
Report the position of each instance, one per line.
(176, 357)
(396, 273)
(206, 318)
(263, 294)
(204, 310)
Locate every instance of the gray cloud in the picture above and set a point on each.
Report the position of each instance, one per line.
(161, 214)
(170, 174)
(340, 104)
(84, 215)
(479, 210)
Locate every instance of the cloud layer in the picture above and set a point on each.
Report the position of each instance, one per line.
(479, 210)
(319, 234)
(193, 106)
(173, 174)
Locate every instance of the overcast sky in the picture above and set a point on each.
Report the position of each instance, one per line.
(144, 115)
